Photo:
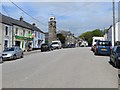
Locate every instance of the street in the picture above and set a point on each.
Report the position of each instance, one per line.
(64, 68)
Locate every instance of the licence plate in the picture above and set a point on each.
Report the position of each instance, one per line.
(44, 46)
(104, 49)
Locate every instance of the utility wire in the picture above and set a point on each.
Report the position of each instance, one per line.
(25, 12)
(29, 14)
(5, 10)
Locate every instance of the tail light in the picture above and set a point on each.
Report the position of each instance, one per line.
(96, 47)
(110, 46)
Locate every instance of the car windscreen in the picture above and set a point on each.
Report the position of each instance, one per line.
(104, 43)
(44, 44)
(55, 43)
(96, 40)
(9, 49)
(118, 50)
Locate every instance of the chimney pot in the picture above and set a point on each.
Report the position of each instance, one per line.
(33, 24)
(21, 18)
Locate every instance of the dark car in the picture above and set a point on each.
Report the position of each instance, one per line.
(46, 47)
(71, 46)
(115, 56)
(103, 48)
(12, 53)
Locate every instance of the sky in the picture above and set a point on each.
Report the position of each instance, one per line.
(77, 17)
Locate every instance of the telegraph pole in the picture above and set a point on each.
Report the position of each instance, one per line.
(114, 20)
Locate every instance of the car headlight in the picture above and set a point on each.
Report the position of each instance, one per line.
(9, 55)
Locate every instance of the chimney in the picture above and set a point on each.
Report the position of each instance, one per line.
(33, 24)
(21, 18)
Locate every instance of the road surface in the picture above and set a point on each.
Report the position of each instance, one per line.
(65, 68)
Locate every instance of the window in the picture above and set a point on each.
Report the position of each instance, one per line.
(16, 31)
(6, 30)
(35, 34)
(118, 50)
(23, 32)
(39, 34)
(6, 44)
(29, 32)
(104, 43)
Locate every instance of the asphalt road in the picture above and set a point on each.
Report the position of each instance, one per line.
(65, 68)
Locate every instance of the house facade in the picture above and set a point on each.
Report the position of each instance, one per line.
(20, 33)
(39, 38)
(6, 33)
(22, 37)
(1, 37)
(110, 34)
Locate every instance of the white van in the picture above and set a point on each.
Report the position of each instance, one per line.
(56, 44)
(94, 40)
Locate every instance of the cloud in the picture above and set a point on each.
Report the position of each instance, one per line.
(76, 17)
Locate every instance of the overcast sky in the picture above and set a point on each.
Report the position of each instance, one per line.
(77, 17)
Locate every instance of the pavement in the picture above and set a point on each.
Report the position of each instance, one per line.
(32, 52)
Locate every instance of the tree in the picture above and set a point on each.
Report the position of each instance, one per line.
(88, 35)
(61, 37)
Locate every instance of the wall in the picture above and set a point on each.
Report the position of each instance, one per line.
(1, 38)
(8, 37)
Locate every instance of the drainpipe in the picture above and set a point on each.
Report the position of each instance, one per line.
(13, 35)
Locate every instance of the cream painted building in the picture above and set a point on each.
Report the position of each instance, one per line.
(1, 43)
(19, 33)
(6, 33)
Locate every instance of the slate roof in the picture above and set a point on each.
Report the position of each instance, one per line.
(24, 24)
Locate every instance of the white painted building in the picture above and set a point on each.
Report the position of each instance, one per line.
(1, 39)
(19, 33)
(5, 34)
(110, 34)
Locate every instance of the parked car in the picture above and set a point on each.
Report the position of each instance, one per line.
(56, 44)
(46, 47)
(103, 48)
(94, 40)
(84, 44)
(115, 56)
(71, 46)
(12, 53)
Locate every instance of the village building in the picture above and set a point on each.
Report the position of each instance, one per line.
(20, 33)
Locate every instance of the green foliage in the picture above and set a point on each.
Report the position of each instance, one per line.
(61, 37)
(88, 35)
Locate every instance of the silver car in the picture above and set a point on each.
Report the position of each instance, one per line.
(12, 53)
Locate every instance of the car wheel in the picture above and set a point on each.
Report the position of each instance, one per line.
(95, 53)
(22, 55)
(110, 60)
(116, 64)
(14, 57)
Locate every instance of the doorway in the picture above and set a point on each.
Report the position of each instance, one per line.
(17, 43)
